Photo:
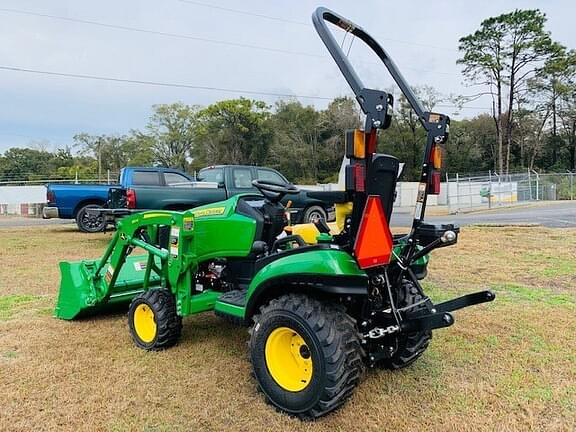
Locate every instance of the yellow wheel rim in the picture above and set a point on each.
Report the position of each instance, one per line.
(289, 359)
(144, 323)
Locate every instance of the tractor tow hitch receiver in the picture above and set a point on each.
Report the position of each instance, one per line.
(320, 307)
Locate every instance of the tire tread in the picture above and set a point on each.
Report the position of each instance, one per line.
(168, 322)
(339, 342)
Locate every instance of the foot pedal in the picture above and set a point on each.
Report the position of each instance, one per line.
(231, 306)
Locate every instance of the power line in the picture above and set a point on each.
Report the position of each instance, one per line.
(302, 23)
(159, 33)
(195, 38)
(461, 107)
(179, 85)
(19, 135)
(159, 83)
(242, 12)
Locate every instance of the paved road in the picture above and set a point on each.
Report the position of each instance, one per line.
(16, 221)
(554, 215)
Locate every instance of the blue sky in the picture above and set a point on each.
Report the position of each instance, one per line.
(421, 36)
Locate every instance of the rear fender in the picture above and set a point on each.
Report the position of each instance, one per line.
(320, 271)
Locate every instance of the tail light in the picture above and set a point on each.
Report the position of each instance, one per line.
(359, 177)
(372, 141)
(50, 196)
(358, 146)
(436, 157)
(131, 198)
(354, 142)
(434, 187)
(435, 162)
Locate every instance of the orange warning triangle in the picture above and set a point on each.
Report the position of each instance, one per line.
(374, 242)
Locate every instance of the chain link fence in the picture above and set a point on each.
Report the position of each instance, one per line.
(492, 190)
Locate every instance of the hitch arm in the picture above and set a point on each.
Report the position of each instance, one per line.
(439, 316)
(465, 301)
(428, 322)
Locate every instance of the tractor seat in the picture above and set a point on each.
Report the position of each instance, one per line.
(274, 221)
(270, 218)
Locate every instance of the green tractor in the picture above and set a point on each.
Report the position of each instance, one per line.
(319, 310)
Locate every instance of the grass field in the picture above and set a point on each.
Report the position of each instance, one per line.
(507, 365)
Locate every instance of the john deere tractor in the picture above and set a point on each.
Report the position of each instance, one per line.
(322, 301)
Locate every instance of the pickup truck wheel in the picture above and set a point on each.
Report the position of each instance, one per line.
(313, 214)
(89, 223)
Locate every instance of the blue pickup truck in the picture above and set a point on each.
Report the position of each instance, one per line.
(169, 189)
(72, 201)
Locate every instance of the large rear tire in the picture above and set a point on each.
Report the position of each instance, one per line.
(409, 346)
(153, 321)
(306, 355)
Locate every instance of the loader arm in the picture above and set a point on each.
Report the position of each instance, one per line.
(117, 276)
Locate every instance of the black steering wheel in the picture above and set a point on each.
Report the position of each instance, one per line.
(274, 192)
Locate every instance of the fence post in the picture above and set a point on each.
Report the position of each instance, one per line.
(529, 185)
(457, 192)
(448, 192)
(510, 187)
(500, 189)
(489, 189)
(571, 185)
(470, 191)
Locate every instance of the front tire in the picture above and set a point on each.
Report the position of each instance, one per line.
(89, 223)
(153, 321)
(306, 355)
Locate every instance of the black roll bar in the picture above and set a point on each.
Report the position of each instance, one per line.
(371, 101)
(319, 18)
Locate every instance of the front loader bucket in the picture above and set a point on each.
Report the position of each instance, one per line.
(79, 293)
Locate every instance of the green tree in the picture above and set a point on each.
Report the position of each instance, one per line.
(170, 134)
(296, 140)
(140, 148)
(502, 55)
(552, 94)
(113, 152)
(341, 114)
(235, 131)
(308, 144)
(567, 114)
(24, 164)
(406, 138)
(472, 145)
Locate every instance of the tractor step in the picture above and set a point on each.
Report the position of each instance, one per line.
(231, 305)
